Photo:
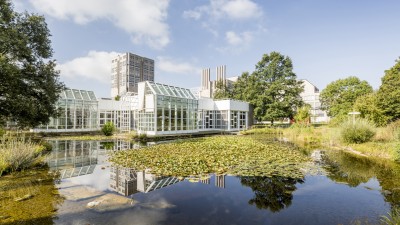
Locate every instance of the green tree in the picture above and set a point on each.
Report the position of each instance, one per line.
(29, 84)
(389, 93)
(303, 115)
(222, 90)
(368, 106)
(272, 88)
(339, 96)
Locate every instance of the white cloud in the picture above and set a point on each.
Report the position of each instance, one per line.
(96, 66)
(143, 19)
(172, 66)
(232, 9)
(243, 38)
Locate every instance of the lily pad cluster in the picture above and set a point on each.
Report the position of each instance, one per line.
(235, 155)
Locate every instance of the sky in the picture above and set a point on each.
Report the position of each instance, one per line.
(327, 40)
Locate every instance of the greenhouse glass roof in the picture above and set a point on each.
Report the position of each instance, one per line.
(78, 94)
(167, 90)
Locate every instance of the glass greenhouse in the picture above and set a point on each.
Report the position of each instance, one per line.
(165, 109)
(78, 112)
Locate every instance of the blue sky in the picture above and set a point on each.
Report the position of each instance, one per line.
(326, 39)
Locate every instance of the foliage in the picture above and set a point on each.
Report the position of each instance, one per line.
(117, 98)
(303, 115)
(339, 96)
(357, 131)
(367, 105)
(393, 217)
(242, 156)
(272, 88)
(2, 131)
(18, 153)
(108, 128)
(389, 92)
(29, 85)
(222, 91)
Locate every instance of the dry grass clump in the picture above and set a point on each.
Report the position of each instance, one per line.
(18, 153)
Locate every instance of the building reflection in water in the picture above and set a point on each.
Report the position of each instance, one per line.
(73, 158)
(127, 181)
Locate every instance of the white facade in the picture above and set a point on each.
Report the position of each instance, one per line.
(310, 95)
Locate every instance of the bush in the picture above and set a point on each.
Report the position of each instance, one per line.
(18, 152)
(2, 131)
(358, 131)
(108, 129)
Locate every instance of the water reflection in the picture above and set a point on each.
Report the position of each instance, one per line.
(218, 197)
(272, 193)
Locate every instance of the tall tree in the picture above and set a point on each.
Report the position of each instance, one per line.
(223, 90)
(339, 96)
(389, 93)
(29, 84)
(369, 108)
(272, 88)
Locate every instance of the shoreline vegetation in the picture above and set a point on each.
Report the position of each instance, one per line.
(384, 144)
(19, 152)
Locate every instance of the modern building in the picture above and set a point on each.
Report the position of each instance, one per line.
(127, 71)
(78, 112)
(310, 95)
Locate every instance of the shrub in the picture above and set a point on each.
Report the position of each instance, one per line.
(2, 131)
(357, 131)
(18, 152)
(108, 129)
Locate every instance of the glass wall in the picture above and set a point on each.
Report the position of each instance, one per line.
(173, 109)
(78, 110)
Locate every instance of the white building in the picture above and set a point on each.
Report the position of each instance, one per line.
(208, 87)
(310, 95)
(127, 71)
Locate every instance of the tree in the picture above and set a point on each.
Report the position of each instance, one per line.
(367, 105)
(272, 88)
(222, 90)
(389, 93)
(339, 96)
(29, 85)
(303, 115)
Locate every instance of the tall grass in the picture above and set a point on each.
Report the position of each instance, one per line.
(18, 152)
(393, 217)
(357, 131)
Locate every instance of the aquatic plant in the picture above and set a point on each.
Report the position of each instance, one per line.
(393, 217)
(28, 197)
(236, 155)
(357, 131)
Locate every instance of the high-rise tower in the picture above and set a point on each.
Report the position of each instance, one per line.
(127, 71)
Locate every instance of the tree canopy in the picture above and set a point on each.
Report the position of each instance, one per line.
(339, 96)
(29, 84)
(272, 88)
(389, 93)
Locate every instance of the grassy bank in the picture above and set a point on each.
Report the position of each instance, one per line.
(384, 144)
(18, 152)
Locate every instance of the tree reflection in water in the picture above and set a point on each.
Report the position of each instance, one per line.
(271, 193)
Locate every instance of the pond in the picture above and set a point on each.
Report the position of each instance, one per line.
(339, 189)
